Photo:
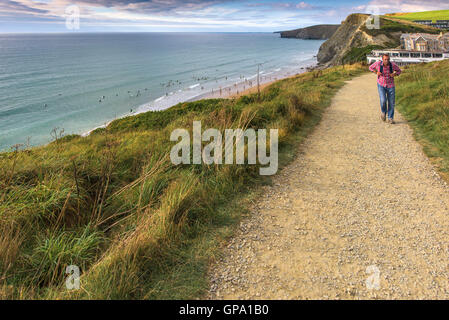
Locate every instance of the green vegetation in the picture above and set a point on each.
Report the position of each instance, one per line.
(425, 15)
(423, 98)
(358, 54)
(389, 26)
(113, 204)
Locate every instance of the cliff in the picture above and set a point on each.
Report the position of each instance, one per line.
(354, 39)
(318, 32)
(349, 35)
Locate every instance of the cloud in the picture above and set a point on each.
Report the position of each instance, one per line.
(303, 5)
(15, 7)
(204, 14)
(31, 7)
(114, 11)
(283, 5)
(392, 6)
(157, 6)
(142, 12)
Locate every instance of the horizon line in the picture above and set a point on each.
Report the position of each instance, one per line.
(87, 32)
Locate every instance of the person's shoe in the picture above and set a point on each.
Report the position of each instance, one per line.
(383, 116)
(391, 121)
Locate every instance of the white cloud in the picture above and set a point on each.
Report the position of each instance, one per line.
(228, 14)
(392, 6)
(303, 5)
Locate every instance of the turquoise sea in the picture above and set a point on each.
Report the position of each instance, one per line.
(78, 82)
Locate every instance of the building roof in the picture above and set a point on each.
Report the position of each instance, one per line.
(426, 36)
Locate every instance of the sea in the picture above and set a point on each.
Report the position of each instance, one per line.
(78, 82)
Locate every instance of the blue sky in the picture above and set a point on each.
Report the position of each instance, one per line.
(190, 15)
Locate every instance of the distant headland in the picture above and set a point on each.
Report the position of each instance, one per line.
(318, 32)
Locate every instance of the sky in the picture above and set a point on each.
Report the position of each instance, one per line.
(190, 15)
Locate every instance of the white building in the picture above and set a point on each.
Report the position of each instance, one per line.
(404, 57)
(416, 48)
(425, 42)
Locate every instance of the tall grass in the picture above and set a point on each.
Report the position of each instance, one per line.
(423, 98)
(113, 204)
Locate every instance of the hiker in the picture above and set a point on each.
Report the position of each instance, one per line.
(386, 71)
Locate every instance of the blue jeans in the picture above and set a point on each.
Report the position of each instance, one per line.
(387, 94)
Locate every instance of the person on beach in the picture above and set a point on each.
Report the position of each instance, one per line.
(386, 71)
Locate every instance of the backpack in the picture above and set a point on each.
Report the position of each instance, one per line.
(382, 67)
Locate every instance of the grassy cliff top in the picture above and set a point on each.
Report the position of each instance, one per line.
(425, 15)
(393, 27)
(113, 204)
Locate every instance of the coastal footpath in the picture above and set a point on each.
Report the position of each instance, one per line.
(361, 213)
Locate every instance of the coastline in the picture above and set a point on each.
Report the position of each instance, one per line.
(130, 82)
(238, 89)
(243, 87)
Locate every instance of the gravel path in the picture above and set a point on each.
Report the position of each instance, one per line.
(360, 214)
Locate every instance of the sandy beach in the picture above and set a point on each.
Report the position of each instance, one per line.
(240, 88)
(248, 86)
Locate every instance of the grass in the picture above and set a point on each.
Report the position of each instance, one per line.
(423, 98)
(358, 54)
(136, 225)
(389, 26)
(425, 15)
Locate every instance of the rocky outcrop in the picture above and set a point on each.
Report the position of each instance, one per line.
(318, 32)
(351, 34)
